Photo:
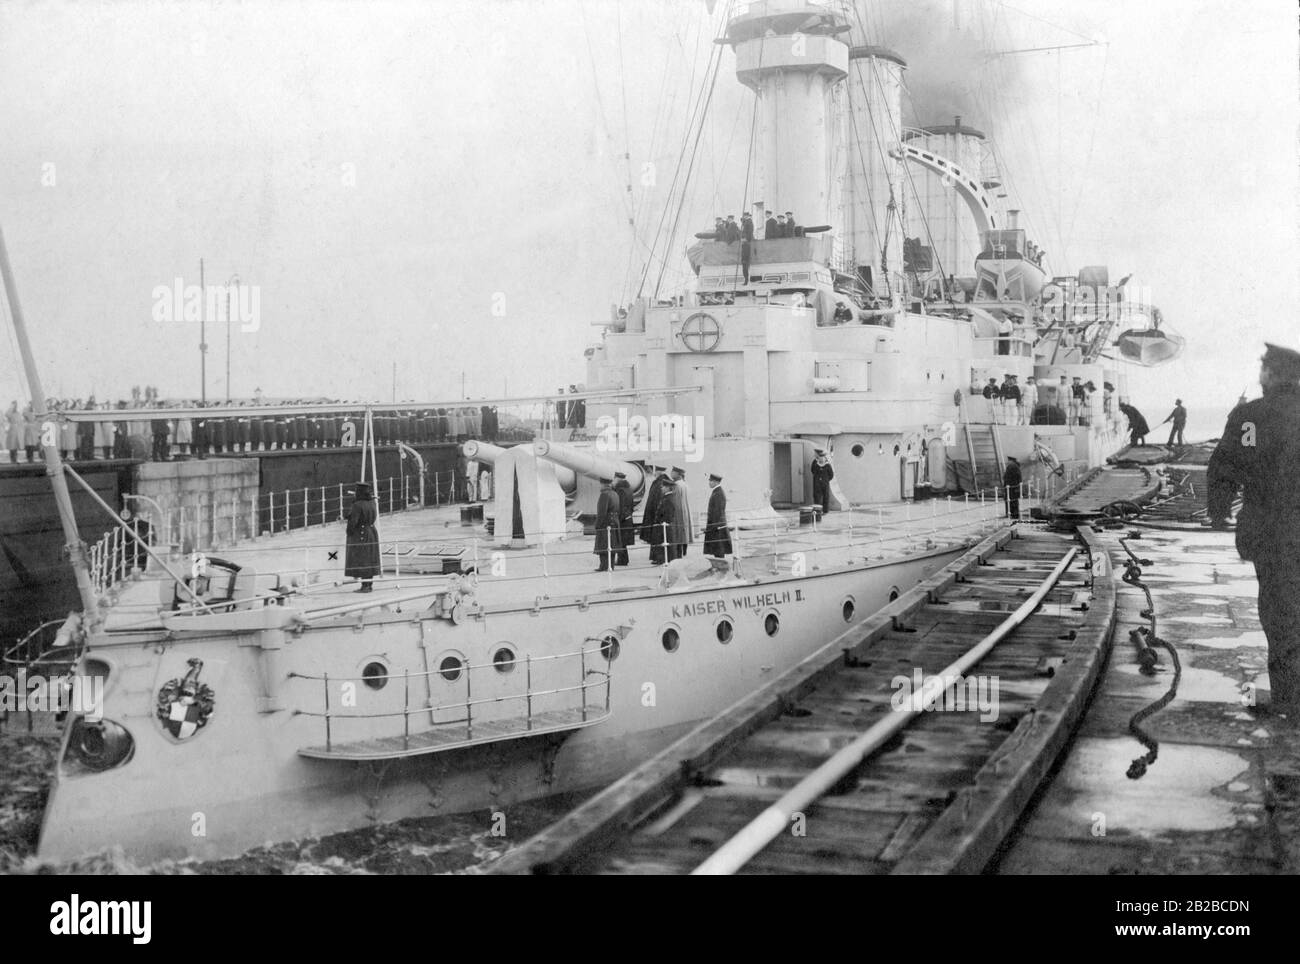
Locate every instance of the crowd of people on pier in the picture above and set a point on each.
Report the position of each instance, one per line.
(136, 430)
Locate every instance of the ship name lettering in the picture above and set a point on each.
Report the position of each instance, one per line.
(760, 602)
(706, 608)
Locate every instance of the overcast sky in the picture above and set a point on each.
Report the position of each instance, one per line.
(387, 175)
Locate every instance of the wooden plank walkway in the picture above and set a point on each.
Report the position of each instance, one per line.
(938, 797)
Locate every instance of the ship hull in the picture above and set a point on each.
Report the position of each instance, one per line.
(242, 780)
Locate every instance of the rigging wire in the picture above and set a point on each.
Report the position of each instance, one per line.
(693, 116)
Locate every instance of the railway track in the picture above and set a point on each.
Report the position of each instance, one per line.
(1100, 490)
(838, 767)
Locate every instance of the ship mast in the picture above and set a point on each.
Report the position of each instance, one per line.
(49, 448)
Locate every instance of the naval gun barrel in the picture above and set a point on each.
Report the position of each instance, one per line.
(487, 452)
(588, 463)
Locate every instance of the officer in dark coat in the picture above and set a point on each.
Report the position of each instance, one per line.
(362, 558)
(771, 229)
(652, 530)
(1011, 478)
(746, 227)
(1259, 453)
(609, 531)
(626, 508)
(732, 229)
(822, 473)
(717, 537)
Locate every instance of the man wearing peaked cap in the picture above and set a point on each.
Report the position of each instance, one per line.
(676, 509)
(652, 530)
(1011, 479)
(609, 533)
(1259, 453)
(626, 507)
(717, 537)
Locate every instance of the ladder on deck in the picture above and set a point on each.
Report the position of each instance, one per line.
(986, 459)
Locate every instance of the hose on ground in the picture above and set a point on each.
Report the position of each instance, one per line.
(1146, 639)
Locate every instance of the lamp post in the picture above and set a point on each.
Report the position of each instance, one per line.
(234, 279)
(203, 337)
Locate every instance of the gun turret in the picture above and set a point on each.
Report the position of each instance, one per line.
(487, 452)
(588, 463)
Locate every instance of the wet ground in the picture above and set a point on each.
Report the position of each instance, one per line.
(1223, 794)
(434, 845)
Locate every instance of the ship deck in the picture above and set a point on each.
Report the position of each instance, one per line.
(417, 545)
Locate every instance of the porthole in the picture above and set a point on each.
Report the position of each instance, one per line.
(671, 640)
(847, 609)
(504, 660)
(450, 668)
(375, 675)
(858, 450)
(724, 630)
(771, 624)
(893, 593)
(609, 647)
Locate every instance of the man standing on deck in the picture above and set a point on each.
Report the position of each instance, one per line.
(1259, 452)
(1179, 417)
(1029, 399)
(361, 558)
(609, 534)
(652, 530)
(822, 473)
(717, 536)
(681, 529)
(771, 230)
(626, 506)
(1011, 479)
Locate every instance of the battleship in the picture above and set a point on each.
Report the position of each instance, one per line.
(250, 695)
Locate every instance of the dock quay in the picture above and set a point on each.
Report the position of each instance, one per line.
(1170, 765)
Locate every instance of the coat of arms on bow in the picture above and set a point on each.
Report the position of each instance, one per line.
(184, 705)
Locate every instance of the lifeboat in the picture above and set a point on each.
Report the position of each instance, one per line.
(1151, 345)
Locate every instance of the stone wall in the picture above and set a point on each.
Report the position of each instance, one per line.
(209, 503)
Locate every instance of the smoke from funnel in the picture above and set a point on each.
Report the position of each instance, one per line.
(948, 62)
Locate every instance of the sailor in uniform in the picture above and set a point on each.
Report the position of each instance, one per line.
(822, 473)
(771, 229)
(13, 432)
(1259, 452)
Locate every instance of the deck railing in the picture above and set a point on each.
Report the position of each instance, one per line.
(586, 663)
